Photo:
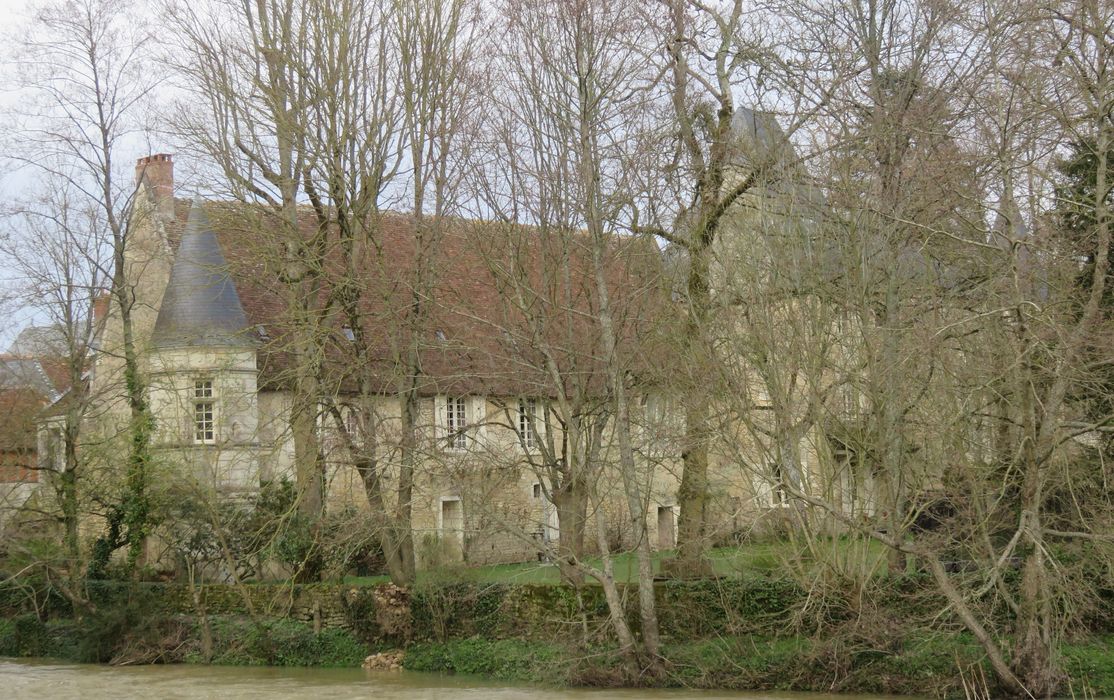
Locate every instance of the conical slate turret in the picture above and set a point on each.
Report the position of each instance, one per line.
(200, 306)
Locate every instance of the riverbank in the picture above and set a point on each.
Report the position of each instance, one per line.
(739, 634)
(932, 667)
(925, 667)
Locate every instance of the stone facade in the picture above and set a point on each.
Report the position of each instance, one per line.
(222, 424)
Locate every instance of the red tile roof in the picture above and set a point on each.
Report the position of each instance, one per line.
(471, 338)
(19, 411)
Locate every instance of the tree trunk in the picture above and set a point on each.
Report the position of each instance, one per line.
(136, 508)
(692, 495)
(403, 569)
(308, 464)
(69, 479)
(571, 502)
(628, 650)
(1033, 662)
(202, 621)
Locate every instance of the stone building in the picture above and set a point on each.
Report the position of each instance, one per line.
(213, 336)
(216, 345)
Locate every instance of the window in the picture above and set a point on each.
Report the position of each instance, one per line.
(527, 423)
(456, 422)
(204, 426)
(779, 496)
(351, 421)
(655, 409)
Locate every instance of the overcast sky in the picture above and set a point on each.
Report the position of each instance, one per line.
(9, 9)
(12, 15)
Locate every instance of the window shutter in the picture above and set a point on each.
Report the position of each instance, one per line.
(546, 413)
(477, 416)
(440, 432)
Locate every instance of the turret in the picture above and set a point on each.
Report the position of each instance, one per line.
(200, 307)
(203, 367)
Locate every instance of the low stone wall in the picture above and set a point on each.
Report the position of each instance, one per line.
(324, 605)
(385, 615)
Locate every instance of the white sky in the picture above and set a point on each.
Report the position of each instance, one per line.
(12, 14)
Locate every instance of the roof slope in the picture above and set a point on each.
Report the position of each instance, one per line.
(200, 306)
(451, 299)
(26, 387)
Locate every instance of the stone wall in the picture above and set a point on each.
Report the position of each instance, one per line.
(387, 616)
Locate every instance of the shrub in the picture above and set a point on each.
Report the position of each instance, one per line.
(359, 614)
(737, 662)
(694, 609)
(65, 640)
(29, 635)
(239, 642)
(445, 610)
(506, 659)
(9, 645)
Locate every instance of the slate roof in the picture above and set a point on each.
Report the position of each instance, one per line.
(19, 372)
(37, 341)
(759, 135)
(201, 306)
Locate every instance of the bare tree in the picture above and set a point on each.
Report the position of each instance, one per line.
(83, 68)
(568, 117)
(251, 68)
(966, 346)
(57, 253)
(710, 58)
(349, 107)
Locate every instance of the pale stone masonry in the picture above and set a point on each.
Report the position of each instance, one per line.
(206, 316)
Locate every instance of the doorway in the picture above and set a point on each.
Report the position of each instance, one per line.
(452, 529)
(667, 527)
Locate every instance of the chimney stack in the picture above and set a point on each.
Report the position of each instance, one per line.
(155, 175)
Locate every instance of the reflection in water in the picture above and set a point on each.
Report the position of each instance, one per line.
(40, 680)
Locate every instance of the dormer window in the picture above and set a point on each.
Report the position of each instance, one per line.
(440, 335)
(204, 423)
(348, 333)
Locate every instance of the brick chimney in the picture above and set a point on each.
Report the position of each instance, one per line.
(154, 174)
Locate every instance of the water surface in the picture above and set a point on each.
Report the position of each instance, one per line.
(25, 679)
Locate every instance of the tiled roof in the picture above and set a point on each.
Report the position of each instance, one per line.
(471, 329)
(27, 385)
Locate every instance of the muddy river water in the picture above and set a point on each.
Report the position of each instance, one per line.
(25, 679)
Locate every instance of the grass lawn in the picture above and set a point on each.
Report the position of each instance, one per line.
(727, 561)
